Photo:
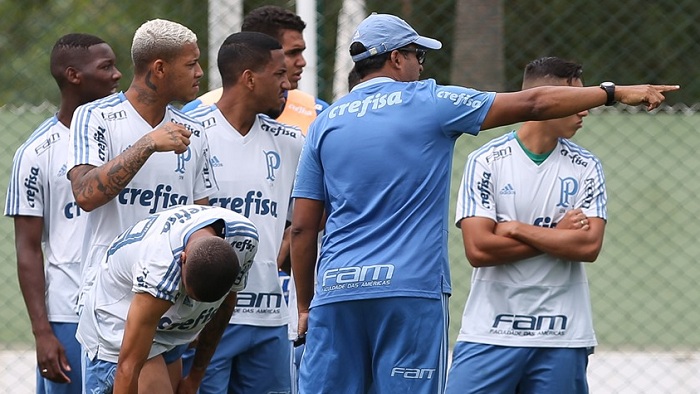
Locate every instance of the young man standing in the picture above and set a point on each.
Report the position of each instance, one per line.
(132, 154)
(532, 209)
(299, 108)
(378, 162)
(255, 160)
(40, 201)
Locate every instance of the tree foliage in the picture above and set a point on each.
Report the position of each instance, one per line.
(634, 41)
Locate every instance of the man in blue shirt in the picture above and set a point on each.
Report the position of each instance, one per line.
(378, 162)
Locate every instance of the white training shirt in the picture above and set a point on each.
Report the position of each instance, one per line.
(255, 174)
(146, 258)
(542, 301)
(103, 129)
(39, 187)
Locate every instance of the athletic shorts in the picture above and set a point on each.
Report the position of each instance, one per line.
(99, 375)
(65, 333)
(488, 369)
(382, 345)
(174, 354)
(248, 360)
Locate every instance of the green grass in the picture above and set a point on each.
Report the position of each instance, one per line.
(643, 285)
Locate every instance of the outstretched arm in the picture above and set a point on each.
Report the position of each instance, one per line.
(550, 102)
(141, 322)
(95, 186)
(50, 354)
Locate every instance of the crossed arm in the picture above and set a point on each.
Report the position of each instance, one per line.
(488, 243)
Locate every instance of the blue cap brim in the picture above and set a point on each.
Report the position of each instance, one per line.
(429, 43)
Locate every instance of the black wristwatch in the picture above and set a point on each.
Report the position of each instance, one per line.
(609, 88)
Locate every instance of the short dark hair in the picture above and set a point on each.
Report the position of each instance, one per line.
(370, 64)
(211, 267)
(353, 78)
(272, 20)
(242, 51)
(69, 49)
(551, 67)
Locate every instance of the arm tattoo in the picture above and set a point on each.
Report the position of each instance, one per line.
(101, 184)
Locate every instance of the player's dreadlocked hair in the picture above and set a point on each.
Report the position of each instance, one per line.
(272, 20)
(64, 52)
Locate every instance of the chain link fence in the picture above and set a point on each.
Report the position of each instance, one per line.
(644, 283)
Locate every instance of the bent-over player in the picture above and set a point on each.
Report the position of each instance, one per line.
(162, 282)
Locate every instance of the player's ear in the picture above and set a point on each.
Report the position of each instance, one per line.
(72, 75)
(395, 58)
(248, 78)
(183, 258)
(158, 68)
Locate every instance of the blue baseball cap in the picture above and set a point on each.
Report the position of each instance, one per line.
(381, 33)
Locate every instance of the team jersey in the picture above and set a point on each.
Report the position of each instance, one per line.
(103, 129)
(255, 174)
(146, 259)
(300, 108)
(380, 159)
(542, 301)
(38, 187)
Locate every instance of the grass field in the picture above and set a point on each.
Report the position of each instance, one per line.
(644, 284)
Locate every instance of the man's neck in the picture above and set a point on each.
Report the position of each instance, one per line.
(534, 137)
(69, 103)
(147, 103)
(234, 107)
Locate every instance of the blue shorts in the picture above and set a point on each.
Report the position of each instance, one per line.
(174, 354)
(248, 359)
(294, 363)
(99, 375)
(382, 345)
(65, 333)
(480, 368)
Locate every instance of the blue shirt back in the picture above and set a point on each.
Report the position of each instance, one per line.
(380, 159)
